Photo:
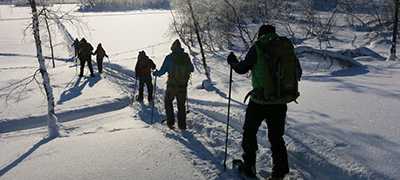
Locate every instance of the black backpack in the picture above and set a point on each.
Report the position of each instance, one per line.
(180, 74)
(282, 70)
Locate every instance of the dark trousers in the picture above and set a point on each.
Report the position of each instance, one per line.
(83, 61)
(99, 61)
(275, 116)
(145, 79)
(180, 93)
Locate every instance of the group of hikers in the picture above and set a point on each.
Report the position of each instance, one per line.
(179, 68)
(83, 50)
(264, 103)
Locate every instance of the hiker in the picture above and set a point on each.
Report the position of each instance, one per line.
(76, 46)
(100, 53)
(178, 60)
(143, 69)
(85, 53)
(274, 112)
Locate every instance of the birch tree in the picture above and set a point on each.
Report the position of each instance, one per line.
(52, 120)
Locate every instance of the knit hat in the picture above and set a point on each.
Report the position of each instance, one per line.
(264, 29)
(176, 45)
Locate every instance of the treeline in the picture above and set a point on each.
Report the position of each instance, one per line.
(222, 23)
(122, 5)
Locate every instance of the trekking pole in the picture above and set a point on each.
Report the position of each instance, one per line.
(154, 95)
(187, 104)
(227, 121)
(76, 65)
(134, 91)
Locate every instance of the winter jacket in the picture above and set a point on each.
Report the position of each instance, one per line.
(255, 62)
(144, 66)
(86, 49)
(167, 65)
(100, 52)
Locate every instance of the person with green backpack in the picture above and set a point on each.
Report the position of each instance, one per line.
(275, 72)
(179, 68)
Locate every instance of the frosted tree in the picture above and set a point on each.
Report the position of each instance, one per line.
(378, 17)
(189, 16)
(395, 29)
(51, 117)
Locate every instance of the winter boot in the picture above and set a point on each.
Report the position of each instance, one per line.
(250, 171)
(139, 98)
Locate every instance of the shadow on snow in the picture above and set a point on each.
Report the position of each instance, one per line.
(24, 156)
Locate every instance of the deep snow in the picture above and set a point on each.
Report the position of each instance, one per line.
(344, 127)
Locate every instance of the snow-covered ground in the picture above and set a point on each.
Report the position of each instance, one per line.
(344, 127)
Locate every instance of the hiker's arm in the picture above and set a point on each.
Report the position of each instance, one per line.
(152, 65)
(137, 69)
(164, 67)
(242, 67)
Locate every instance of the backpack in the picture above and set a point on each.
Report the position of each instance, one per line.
(181, 68)
(282, 70)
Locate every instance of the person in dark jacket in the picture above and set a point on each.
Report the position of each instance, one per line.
(85, 55)
(100, 53)
(175, 89)
(143, 69)
(259, 110)
(76, 46)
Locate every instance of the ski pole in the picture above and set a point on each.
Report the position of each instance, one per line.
(154, 95)
(227, 121)
(134, 91)
(187, 103)
(76, 65)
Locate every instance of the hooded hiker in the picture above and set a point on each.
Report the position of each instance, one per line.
(143, 69)
(100, 53)
(85, 53)
(268, 101)
(76, 47)
(179, 68)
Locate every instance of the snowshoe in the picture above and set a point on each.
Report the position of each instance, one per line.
(139, 99)
(242, 171)
(164, 122)
(275, 178)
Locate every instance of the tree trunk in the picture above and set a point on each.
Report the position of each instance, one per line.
(240, 27)
(395, 29)
(196, 28)
(51, 43)
(51, 118)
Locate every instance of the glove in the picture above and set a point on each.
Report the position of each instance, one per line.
(231, 58)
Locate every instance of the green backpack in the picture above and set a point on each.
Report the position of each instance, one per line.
(181, 68)
(282, 70)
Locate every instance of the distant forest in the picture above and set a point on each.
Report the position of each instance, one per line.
(122, 5)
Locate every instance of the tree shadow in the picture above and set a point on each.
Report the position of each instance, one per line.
(71, 115)
(25, 155)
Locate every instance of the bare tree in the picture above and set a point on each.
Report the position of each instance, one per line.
(51, 117)
(243, 29)
(50, 40)
(197, 31)
(395, 29)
